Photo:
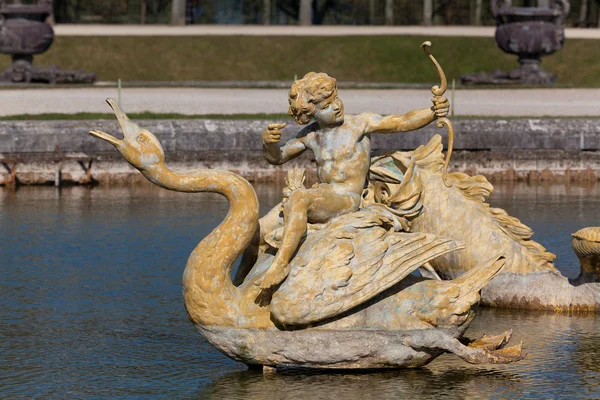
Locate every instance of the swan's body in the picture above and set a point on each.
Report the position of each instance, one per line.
(357, 303)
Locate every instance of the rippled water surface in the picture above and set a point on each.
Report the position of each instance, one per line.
(91, 306)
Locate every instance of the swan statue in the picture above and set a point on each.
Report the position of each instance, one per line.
(350, 301)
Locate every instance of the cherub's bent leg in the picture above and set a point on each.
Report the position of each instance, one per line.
(272, 220)
(315, 205)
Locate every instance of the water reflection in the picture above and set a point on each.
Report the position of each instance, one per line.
(91, 305)
(562, 362)
(421, 383)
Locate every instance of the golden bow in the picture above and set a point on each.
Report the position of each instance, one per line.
(438, 91)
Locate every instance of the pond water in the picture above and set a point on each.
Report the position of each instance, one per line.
(91, 306)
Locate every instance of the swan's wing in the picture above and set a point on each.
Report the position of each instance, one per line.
(348, 263)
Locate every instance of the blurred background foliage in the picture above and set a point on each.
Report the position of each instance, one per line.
(112, 11)
(584, 13)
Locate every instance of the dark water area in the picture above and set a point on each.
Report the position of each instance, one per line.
(91, 306)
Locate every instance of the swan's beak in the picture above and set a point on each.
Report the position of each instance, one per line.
(130, 129)
(105, 136)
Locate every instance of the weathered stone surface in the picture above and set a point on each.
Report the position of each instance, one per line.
(500, 149)
(339, 349)
(244, 135)
(26, 37)
(542, 291)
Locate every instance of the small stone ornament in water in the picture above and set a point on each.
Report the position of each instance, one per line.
(326, 279)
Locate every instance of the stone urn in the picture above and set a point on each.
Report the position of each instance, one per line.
(25, 32)
(529, 33)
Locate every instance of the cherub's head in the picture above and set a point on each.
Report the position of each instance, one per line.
(316, 96)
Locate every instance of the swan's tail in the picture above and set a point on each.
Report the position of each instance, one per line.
(477, 278)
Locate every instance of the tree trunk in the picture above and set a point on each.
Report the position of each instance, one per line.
(178, 12)
(427, 12)
(477, 18)
(143, 11)
(389, 12)
(372, 12)
(266, 12)
(583, 11)
(65, 11)
(305, 12)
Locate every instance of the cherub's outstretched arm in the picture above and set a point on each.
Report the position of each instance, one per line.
(279, 155)
(410, 121)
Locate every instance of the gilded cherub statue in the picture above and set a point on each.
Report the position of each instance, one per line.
(349, 280)
(341, 145)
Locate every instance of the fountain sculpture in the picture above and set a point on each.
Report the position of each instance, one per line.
(325, 277)
(530, 33)
(24, 32)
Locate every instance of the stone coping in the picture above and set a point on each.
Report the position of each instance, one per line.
(198, 135)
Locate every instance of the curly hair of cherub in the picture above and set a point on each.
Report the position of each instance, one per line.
(308, 91)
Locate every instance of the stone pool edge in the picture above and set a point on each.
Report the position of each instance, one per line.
(61, 152)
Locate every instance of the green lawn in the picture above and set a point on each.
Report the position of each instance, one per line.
(349, 58)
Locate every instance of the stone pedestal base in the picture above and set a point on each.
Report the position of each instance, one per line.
(529, 73)
(23, 71)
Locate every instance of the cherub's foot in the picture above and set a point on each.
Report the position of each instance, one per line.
(264, 298)
(274, 275)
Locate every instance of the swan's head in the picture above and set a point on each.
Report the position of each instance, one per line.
(139, 147)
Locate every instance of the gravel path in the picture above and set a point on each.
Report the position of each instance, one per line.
(499, 102)
(292, 30)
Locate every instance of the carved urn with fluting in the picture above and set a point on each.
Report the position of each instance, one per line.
(25, 32)
(530, 33)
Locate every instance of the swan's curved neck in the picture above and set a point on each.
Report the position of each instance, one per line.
(210, 296)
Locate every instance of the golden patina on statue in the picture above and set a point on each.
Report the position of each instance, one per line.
(530, 280)
(325, 279)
